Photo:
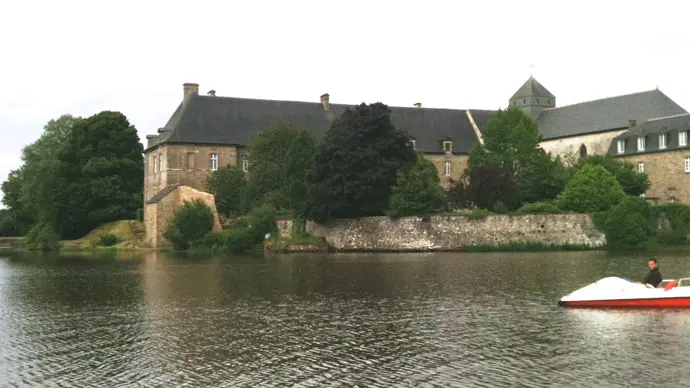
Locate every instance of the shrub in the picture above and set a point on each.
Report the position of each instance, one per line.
(417, 191)
(591, 189)
(262, 221)
(140, 215)
(539, 208)
(191, 223)
(107, 240)
(678, 216)
(499, 208)
(628, 224)
(42, 237)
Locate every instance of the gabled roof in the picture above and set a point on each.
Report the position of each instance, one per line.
(163, 193)
(605, 114)
(233, 121)
(650, 129)
(530, 88)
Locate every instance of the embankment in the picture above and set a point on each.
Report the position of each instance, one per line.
(440, 233)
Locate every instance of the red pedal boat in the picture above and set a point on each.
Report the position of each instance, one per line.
(618, 292)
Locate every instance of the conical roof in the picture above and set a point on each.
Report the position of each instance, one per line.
(530, 88)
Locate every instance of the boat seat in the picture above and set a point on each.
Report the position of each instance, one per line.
(670, 285)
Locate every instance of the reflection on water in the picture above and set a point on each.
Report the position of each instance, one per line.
(342, 320)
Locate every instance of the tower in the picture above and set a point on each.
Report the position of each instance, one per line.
(533, 98)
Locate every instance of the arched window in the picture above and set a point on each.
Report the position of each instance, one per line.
(583, 151)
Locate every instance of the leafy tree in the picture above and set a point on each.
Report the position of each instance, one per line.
(633, 182)
(16, 219)
(417, 191)
(628, 224)
(227, 184)
(543, 178)
(592, 189)
(357, 164)
(490, 184)
(279, 157)
(42, 237)
(100, 173)
(190, 224)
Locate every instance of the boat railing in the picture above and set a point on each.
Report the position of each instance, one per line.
(683, 282)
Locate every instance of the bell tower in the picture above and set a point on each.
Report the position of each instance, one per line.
(533, 98)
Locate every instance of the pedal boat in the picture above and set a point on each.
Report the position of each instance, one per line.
(618, 292)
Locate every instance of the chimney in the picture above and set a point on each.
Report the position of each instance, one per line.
(417, 104)
(632, 123)
(212, 93)
(325, 102)
(190, 90)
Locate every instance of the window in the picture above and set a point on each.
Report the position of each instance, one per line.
(662, 141)
(447, 146)
(640, 143)
(155, 164)
(214, 161)
(414, 143)
(524, 101)
(687, 164)
(160, 163)
(245, 165)
(640, 167)
(621, 146)
(537, 100)
(683, 138)
(447, 168)
(191, 158)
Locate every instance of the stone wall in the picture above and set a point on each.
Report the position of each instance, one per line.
(597, 144)
(666, 172)
(457, 232)
(157, 215)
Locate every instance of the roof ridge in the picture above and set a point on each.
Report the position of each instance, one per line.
(668, 117)
(607, 98)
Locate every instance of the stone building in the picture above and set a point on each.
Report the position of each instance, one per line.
(659, 148)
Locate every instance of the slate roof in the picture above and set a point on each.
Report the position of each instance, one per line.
(233, 121)
(161, 194)
(651, 129)
(605, 114)
(530, 88)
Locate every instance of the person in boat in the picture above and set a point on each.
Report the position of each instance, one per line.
(653, 277)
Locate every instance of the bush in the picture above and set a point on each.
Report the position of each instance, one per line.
(262, 221)
(499, 208)
(417, 191)
(628, 224)
(539, 208)
(678, 216)
(107, 240)
(191, 223)
(592, 189)
(140, 215)
(42, 237)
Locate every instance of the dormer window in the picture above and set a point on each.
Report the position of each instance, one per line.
(662, 141)
(447, 146)
(683, 138)
(621, 146)
(640, 143)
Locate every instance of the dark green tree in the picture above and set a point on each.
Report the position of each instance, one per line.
(491, 184)
(189, 225)
(227, 184)
(279, 157)
(633, 182)
(543, 178)
(16, 219)
(100, 173)
(418, 191)
(628, 224)
(592, 189)
(357, 164)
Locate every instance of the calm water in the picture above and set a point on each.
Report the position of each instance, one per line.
(422, 320)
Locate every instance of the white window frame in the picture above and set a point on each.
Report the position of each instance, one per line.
(447, 167)
(621, 146)
(683, 138)
(450, 146)
(414, 143)
(640, 167)
(662, 141)
(640, 143)
(245, 165)
(687, 164)
(214, 161)
(155, 164)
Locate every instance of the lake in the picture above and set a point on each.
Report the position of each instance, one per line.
(346, 320)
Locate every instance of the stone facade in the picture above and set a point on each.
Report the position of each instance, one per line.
(667, 174)
(187, 165)
(157, 215)
(458, 163)
(568, 147)
(457, 232)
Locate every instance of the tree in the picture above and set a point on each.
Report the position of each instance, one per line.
(418, 191)
(357, 164)
(490, 184)
(279, 157)
(100, 172)
(190, 224)
(16, 219)
(592, 189)
(543, 178)
(633, 182)
(227, 184)
(628, 224)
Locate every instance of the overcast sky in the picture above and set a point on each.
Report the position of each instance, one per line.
(82, 57)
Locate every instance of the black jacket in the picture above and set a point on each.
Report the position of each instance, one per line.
(653, 277)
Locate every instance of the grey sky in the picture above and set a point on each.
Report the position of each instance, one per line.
(82, 57)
